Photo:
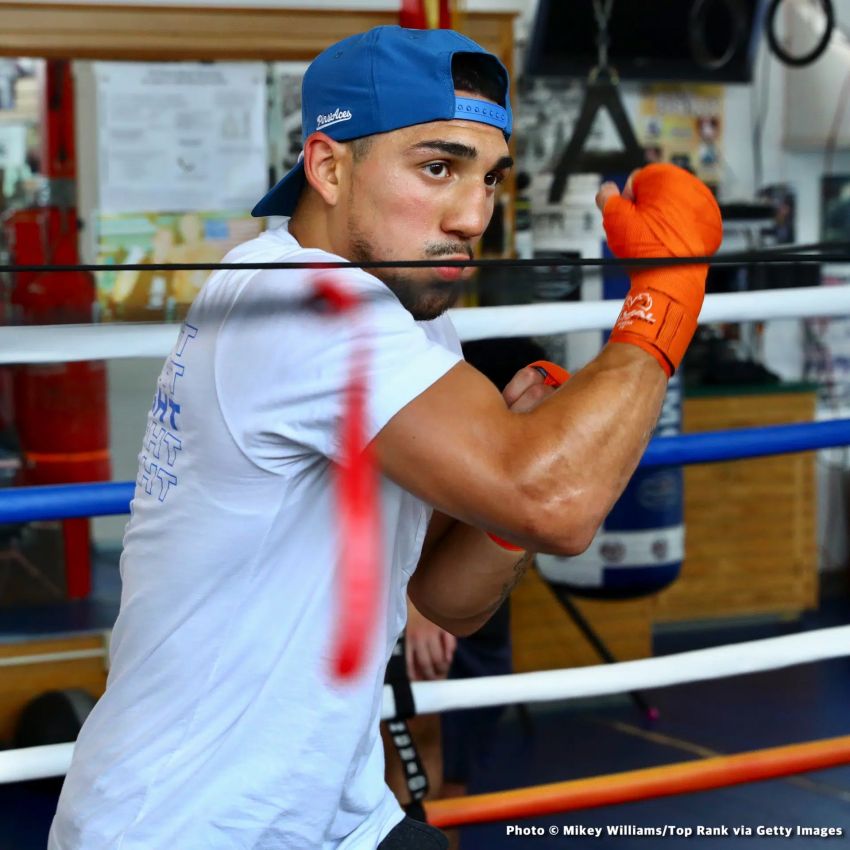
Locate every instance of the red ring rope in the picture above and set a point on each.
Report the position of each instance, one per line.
(359, 570)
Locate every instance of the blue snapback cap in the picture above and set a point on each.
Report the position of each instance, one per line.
(381, 80)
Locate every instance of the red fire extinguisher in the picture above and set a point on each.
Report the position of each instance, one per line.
(425, 14)
(60, 409)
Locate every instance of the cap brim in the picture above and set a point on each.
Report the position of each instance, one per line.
(283, 197)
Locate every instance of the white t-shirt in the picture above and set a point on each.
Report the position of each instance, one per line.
(221, 727)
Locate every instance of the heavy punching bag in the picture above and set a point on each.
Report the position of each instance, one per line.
(640, 547)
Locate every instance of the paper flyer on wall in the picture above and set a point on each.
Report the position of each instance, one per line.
(683, 124)
(180, 136)
(189, 237)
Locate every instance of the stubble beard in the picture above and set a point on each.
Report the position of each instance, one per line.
(424, 298)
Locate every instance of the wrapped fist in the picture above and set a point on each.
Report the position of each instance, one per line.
(664, 212)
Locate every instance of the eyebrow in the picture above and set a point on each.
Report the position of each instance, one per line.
(459, 150)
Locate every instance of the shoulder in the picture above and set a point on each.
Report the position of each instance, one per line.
(442, 330)
(311, 264)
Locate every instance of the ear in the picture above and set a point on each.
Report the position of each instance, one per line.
(324, 160)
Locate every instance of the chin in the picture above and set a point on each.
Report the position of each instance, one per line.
(432, 307)
(428, 315)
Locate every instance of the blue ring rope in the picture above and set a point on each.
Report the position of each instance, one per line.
(63, 501)
(740, 443)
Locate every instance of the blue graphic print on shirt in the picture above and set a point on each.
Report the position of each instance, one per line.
(161, 444)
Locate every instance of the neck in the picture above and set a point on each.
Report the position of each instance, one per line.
(311, 228)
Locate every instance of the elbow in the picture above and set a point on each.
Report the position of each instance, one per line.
(464, 628)
(565, 524)
(575, 541)
(460, 627)
(569, 538)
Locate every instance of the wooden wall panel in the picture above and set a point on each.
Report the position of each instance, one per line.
(545, 637)
(21, 683)
(750, 526)
(174, 33)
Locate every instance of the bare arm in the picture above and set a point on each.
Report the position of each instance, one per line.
(463, 576)
(547, 478)
(461, 582)
(544, 479)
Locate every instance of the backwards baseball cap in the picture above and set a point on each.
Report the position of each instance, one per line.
(381, 80)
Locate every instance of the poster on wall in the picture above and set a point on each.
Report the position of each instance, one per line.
(13, 146)
(13, 158)
(182, 157)
(20, 129)
(544, 121)
(285, 117)
(683, 124)
(188, 237)
(180, 136)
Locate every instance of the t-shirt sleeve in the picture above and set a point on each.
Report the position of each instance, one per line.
(281, 374)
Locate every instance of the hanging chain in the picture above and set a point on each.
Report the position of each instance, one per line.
(602, 12)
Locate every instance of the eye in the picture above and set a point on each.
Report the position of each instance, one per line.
(437, 169)
(494, 178)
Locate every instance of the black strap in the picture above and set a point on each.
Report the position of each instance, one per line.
(414, 773)
(414, 809)
(396, 677)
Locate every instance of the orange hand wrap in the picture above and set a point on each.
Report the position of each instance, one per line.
(553, 376)
(673, 215)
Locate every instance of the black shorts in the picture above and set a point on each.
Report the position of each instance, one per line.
(414, 835)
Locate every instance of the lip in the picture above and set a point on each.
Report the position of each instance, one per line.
(453, 272)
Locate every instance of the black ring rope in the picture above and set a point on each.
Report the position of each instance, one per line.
(793, 255)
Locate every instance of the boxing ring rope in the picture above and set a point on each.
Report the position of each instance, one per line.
(66, 343)
(626, 676)
(550, 685)
(47, 344)
(635, 785)
(63, 343)
(64, 501)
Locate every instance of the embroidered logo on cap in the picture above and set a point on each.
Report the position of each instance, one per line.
(335, 117)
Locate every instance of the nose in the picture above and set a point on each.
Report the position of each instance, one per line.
(468, 212)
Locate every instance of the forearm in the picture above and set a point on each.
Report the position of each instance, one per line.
(579, 448)
(543, 479)
(582, 443)
(464, 579)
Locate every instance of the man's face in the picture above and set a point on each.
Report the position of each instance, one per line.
(425, 193)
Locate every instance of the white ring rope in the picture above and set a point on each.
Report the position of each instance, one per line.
(65, 343)
(35, 762)
(575, 683)
(429, 697)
